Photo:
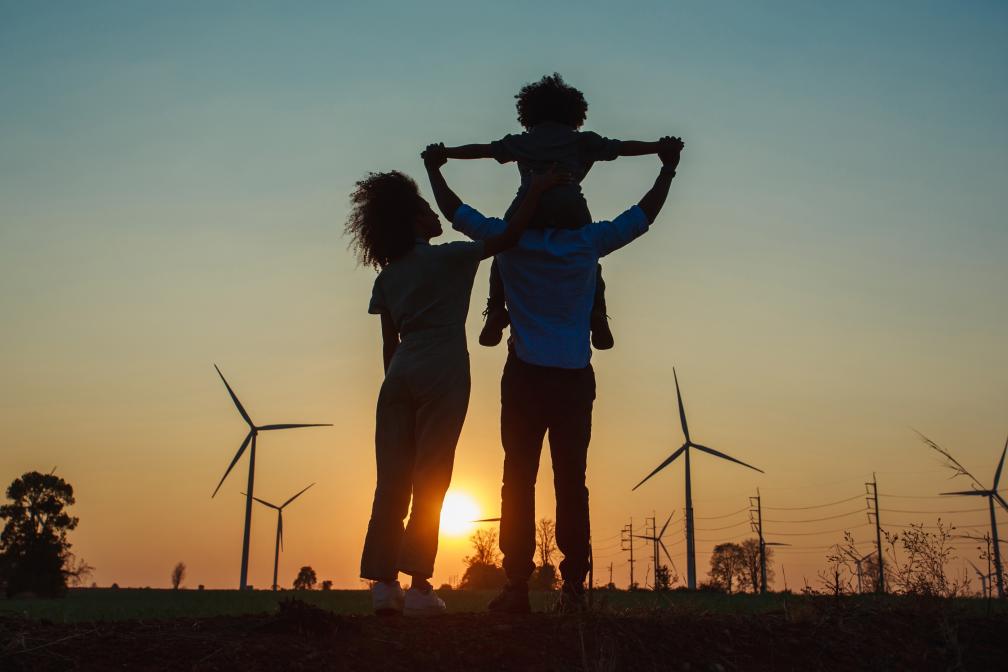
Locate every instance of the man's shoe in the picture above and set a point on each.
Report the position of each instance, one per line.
(493, 329)
(423, 602)
(601, 337)
(387, 598)
(572, 599)
(512, 600)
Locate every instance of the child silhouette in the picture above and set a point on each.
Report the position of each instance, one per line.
(551, 112)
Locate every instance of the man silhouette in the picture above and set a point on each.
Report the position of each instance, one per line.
(548, 384)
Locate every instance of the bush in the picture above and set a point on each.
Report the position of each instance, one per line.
(483, 576)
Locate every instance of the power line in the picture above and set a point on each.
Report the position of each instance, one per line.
(946, 512)
(814, 506)
(816, 520)
(727, 515)
(726, 527)
(809, 534)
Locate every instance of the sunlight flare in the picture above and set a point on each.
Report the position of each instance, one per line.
(457, 514)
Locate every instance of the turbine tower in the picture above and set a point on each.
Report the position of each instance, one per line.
(684, 450)
(250, 443)
(656, 539)
(991, 494)
(279, 532)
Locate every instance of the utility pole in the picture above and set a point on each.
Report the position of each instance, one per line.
(871, 495)
(757, 527)
(654, 538)
(626, 544)
(610, 574)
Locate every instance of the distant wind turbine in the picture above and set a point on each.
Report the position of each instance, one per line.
(250, 442)
(983, 579)
(684, 450)
(991, 494)
(279, 532)
(656, 539)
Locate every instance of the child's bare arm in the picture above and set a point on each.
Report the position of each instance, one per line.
(639, 148)
(474, 151)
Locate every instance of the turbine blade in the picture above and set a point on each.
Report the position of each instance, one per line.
(486, 520)
(975, 493)
(234, 398)
(263, 501)
(997, 474)
(667, 555)
(280, 527)
(295, 497)
(775, 543)
(241, 449)
(663, 527)
(642, 536)
(1001, 501)
(294, 426)
(682, 411)
(717, 453)
(661, 466)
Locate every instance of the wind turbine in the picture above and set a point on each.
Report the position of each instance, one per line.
(656, 539)
(983, 579)
(991, 494)
(857, 564)
(684, 450)
(279, 532)
(250, 442)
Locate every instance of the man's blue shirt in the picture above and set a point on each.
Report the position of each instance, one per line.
(549, 280)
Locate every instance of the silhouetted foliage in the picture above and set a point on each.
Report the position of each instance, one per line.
(546, 541)
(664, 578)
(35, 554)
(306, 579)
(727, 566)
(750, 574)
(545, 577)
(177, 575)
(482, 571)
(551, 99)
(327, 585)
(920, 568)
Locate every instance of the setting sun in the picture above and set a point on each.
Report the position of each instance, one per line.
(458, 513)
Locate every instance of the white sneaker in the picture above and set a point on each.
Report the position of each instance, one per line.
(387, 598)
(420, 603)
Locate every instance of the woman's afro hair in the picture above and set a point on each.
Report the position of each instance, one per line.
(551, 99)
(380, 224)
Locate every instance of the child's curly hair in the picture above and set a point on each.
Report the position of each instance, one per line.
(380, 223)
(551, 99)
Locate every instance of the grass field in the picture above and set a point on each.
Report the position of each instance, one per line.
(101, 604)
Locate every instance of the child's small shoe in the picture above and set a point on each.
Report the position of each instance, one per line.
(387, 598)
(423, 601)
(493, 329)
(601, 336)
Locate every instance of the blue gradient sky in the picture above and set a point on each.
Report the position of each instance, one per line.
(829, 271)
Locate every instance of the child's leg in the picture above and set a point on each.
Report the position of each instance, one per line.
(601, 338)
(394, 455)
(496, 311)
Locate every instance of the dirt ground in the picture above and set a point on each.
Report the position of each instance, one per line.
(925, 636)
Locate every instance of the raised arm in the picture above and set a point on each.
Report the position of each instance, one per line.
(475, 151)
(447, 201)
(523, 215)
(638, 148)
(669, 151)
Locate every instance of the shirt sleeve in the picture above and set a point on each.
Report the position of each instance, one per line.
(610, 236)
(503, 150)
(462, 253)
(377, 305)
(597, 148)
(470, 222)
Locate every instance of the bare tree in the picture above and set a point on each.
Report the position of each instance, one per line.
(177, 575)
(921, 571)
(750, 570)
(546, 541)
(484, 548)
